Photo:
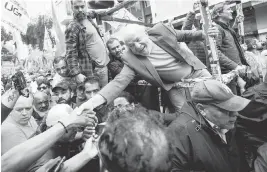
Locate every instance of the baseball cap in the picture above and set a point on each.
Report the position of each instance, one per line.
(62, 84)
(218, 94)
(56, 113)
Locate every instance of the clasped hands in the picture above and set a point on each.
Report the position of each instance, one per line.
(241, 69)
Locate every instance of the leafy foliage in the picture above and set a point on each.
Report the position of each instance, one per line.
(36, 30)
(5, 36)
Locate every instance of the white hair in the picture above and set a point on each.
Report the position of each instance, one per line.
(130, 31)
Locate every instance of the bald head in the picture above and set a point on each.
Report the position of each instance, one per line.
(22, 110)
(138, 41)
(41, 101)
(132, 31)
(24, 101)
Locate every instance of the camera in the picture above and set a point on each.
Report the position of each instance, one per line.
(20, 83)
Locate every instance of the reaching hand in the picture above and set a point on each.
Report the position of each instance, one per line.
(90, 147)
(80, 78)
(86, 118)
(213, 31)
(86, 105)
(239, 18)
(88, 132)
(241, 69)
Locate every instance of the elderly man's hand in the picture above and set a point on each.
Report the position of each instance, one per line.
(80, 78)
(86, 118)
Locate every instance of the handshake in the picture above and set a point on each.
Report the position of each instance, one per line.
(241, 69)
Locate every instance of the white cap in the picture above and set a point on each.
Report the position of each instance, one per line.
(56, 113)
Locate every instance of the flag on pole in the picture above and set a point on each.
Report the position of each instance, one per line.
(60, 40)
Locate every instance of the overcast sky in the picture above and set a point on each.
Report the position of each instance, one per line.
(36, 7)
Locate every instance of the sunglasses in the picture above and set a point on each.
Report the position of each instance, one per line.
(42, 88)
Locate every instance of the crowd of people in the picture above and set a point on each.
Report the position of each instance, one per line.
(94, 112)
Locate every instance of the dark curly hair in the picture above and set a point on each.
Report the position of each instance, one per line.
(134, 143)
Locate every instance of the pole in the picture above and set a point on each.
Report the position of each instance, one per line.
(214, 61)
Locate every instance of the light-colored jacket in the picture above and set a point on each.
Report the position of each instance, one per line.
(169, 40)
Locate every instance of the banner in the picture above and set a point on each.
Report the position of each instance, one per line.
(14, 14)
(60, 39)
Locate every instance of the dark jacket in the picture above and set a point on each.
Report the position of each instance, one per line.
(114, 66)
(197, 147)
(197, 47)
(252, 122)
(229, 50)
(5, 111)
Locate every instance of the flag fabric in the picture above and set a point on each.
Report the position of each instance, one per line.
(14, 14)
(60, 40)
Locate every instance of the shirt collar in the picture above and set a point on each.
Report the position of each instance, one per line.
(214, 126)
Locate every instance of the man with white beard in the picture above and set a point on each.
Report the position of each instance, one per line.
(41, 106)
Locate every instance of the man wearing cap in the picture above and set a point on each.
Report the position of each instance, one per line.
(203, 135)
(62, 93)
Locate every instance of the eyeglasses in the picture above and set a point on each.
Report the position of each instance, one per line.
(42, 88)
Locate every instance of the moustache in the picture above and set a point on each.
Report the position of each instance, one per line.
(61, 100)
(42, 109)
(80, 15)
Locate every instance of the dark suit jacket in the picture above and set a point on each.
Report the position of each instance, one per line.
(168, 39)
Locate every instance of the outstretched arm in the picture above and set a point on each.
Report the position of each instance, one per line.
(110, 91)
(81, 159)
(20, 157)
(8, 101)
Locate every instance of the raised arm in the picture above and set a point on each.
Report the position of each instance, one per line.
(111, 90)
(78, 161)
(8, 101)
(20, 157)
(189, 35)
(189, 21)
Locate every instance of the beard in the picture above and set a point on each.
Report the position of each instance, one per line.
(63, 101)
(80, 16)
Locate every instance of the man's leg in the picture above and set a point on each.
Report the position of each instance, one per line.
(102, 74)
(177, 97)
(232, 85)
(199, 74)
